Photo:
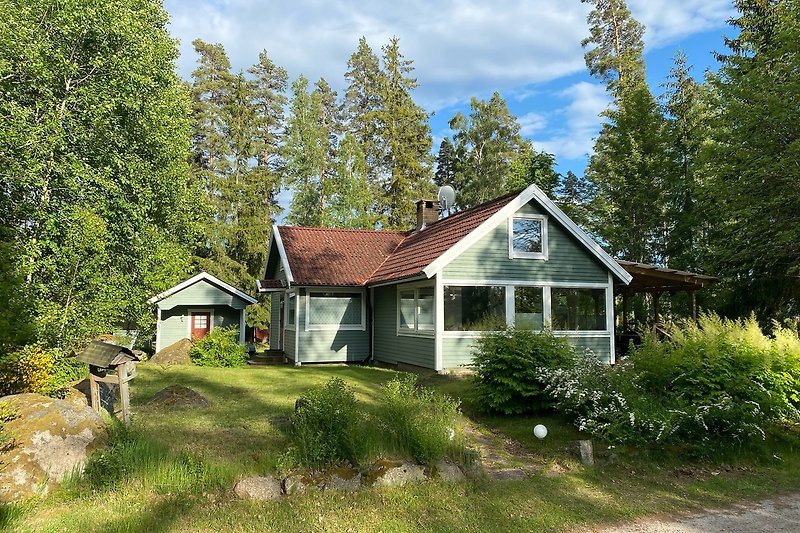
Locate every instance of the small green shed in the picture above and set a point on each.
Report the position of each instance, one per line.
(194, 307)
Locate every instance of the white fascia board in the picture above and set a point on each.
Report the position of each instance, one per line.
(202, 276)
(530, 193)
(282, 252)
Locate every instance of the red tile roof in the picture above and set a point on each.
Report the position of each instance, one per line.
(326, 256)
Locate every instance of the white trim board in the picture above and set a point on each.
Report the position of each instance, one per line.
(202, 276)
(530, 193)
(276, 235)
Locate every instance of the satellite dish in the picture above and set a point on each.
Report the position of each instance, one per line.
(447, 197)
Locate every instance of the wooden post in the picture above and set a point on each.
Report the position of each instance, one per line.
(94, 389)
(124, 393)
(694, 304)
(625, 311)
(656, 297)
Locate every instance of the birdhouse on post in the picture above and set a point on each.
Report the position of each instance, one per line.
(109, 363)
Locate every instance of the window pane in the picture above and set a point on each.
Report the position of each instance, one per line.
(291, 306)
(407, 310)
(425, 308)
(334, 308)
(578, 309)
(474, 308)
(528, 308)
(527, 235)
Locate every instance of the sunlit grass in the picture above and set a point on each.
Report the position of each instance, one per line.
(175, 469)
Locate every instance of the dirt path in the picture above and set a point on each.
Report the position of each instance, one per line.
(779, 514)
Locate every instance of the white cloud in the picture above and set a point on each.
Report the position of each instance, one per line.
(532, 122)
(668, 22)
(576, 124)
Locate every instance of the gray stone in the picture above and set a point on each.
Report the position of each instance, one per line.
(300, 482)
(344, 479)
(395, 473)
(51, 439)
(447, 471)
(585, 452)
(258, 489)
(174, 354)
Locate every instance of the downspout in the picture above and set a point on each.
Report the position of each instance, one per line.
(371, 330)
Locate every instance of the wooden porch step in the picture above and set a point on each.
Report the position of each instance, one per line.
(270, 357)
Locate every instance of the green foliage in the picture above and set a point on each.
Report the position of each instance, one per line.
(220, 347)
(7, 414)
(508, 367)
(420, 421)
(35, 368)
(93, 159)
(326, 426)
(710, 386)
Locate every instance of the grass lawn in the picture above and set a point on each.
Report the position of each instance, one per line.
(195, 456)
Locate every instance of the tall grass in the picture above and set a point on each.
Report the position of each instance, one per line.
(132, 458)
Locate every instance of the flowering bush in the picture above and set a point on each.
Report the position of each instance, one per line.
(507, 364)
(36, 368)
(714, 382)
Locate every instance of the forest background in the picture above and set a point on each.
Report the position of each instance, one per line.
(118, 179)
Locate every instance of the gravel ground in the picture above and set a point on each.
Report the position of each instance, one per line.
(781, 513)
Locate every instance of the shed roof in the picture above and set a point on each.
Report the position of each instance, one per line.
(653, 278)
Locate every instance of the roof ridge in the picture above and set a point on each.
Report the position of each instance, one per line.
(349, 230)
(476, 207)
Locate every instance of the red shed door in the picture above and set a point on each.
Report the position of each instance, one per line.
(201, 324)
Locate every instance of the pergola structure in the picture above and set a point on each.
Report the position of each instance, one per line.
(656, 280)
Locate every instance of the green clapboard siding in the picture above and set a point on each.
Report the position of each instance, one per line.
(175, 321)
(600, 346)
(567, 259)
(329, 346)
(203, 294)
(391, 347)
(457, 352)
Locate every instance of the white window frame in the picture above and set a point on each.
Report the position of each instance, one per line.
(286, 323)
(513, 254)
(189, 312)
(478, 283)
(336, 327)
(587, 332)
(416, 332)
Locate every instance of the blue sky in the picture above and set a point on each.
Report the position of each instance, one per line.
(528, 51)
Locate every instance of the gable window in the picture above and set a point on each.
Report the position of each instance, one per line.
(578, 309)
(474, 308)
(527, 237)
(335, 310)
(415, 313)
(528, 308)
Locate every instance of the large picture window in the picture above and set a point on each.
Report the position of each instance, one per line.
(578, 309)
(416, 310)
(474, 308)
(335, 310)
(528, 237)
(528, 308)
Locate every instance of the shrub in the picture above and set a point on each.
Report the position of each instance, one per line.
(325, 426)
(220, 347)
(35, 368)
(715, 383)
(507, 365)
(419, 421)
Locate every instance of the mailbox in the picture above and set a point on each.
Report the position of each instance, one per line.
(109, 363)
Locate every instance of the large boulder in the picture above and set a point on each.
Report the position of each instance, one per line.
(258, 488)
(175, 354)
(50, 439)
(394, 473)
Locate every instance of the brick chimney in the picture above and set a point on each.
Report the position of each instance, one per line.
(427, 212)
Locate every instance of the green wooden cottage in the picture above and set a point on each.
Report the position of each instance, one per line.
(422, 297)
(194, 307)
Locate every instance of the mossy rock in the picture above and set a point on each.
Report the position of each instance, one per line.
(178, 396)
(51, 438)
(175, 354)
